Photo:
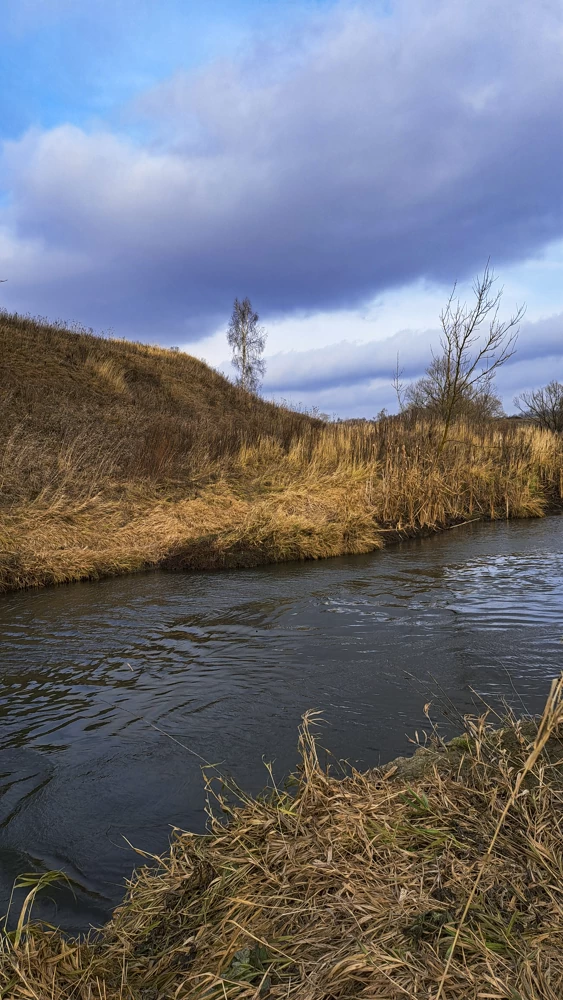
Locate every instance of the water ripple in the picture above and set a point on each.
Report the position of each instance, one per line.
(227, 663)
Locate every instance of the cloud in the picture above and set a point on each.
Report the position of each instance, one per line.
(360, 154)
(348, 363)
(356, 379)
(542, 339)
(363, 400)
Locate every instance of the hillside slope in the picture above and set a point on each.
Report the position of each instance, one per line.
(116, 456)
(147, 410)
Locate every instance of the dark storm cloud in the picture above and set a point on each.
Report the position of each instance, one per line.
(365, 154)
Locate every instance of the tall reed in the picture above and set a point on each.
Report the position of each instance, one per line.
(442, 880)
(116, 457)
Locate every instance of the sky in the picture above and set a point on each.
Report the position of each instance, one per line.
(341, 163)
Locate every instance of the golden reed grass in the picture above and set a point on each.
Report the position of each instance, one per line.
(438, 878)
(116, 457)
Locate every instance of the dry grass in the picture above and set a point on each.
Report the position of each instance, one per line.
(439, 878)
(116, 457)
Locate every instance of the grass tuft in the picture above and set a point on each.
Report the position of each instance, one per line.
(382, 884)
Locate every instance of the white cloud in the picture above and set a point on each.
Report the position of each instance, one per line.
(353, 378)
(377, 153)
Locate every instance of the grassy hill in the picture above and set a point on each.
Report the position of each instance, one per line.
(117, 456)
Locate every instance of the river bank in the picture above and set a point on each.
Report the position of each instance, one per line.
(440, 877)
(119, 457)
(228, 663)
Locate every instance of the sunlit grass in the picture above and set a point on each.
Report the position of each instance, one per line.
(118, 457)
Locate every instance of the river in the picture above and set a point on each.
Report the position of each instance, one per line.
(226, 663)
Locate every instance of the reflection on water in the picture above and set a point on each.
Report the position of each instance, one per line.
(227, 663)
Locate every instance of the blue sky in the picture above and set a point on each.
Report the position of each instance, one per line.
(341, 163)
(81, 62)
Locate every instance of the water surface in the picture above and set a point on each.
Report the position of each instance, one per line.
(226, 663)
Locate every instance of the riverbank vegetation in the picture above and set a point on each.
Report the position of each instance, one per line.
(543, 406)
(438, 876)
(118, 457)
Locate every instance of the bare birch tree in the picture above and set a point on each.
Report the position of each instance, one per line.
(247, 340)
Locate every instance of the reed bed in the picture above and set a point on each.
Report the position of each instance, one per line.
(438, 877)
(117, 457)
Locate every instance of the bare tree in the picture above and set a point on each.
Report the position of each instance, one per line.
(460, 378)
(399, 386)
(544, 406)
(247, 340)
(477, 402)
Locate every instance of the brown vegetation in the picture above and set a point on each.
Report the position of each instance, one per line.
(443, 881)
(117, 457)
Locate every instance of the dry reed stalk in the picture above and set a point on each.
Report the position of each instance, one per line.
(550, 721)
(117, 457)
(444, 873)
